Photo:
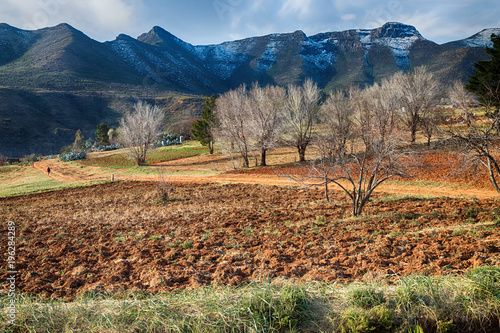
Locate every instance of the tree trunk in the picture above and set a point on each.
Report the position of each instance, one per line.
(211, 147)
(302, 152)
(246, 162)
(326, 192)
(263, 157)
(140, 161)
(492, 176)
(413, 130)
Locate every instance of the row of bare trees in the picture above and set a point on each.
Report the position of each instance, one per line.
(357, 134)
(256, 119)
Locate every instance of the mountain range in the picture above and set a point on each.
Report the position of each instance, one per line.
(56, 80)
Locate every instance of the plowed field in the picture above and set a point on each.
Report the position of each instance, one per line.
(116, 236)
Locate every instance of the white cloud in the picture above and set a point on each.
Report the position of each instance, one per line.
(110, 14)
(196, 21)
(257, 6)
(300, 7)
(98, 18)
(348, 17)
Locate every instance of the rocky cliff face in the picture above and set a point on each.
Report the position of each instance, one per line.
(333, 59)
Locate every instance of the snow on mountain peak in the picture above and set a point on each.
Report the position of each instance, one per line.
(319, 52)
(482, 38)
(398, 37)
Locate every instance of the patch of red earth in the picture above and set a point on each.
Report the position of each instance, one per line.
(114, 237)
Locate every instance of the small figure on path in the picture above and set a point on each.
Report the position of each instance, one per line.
(48, 171)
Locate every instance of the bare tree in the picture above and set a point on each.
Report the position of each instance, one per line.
(332, 139)
(480, 146)
(265, 109)
(382, 103)
(415, 93)
(461, 99)
(359, 174)
(301, 111)
(335, 114)
(429, 126)
(140, 128)
(232, 128)
(354, 151)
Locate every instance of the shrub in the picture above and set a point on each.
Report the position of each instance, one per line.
(110, 147)
(30, 158)
(163, 188)
(73, 156)
(382, 318)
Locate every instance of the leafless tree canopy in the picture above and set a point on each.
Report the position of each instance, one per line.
(140, 128)
(265, 109)
(301, 111)
(415, 94)
(358, 149)
(251, 120)
(461, 99)
(232, 128)
(479, 145)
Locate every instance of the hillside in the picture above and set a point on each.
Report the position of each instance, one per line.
(54, 81)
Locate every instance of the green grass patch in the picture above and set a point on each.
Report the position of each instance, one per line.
(7, 171)
(468, 303)
(118, 161)
(33, 181)
(425, 184)
(397, 197)
(158, 155)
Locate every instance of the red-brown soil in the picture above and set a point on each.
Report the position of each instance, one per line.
(115, 237)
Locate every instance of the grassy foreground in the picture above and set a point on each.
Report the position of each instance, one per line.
(468, 303)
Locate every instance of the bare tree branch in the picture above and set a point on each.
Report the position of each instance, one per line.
(232, 128)
(265, 108)
(301, 111)
(415, 93)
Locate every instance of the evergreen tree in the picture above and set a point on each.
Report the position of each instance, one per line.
(101, 134)
(485, 82)
(202, 128)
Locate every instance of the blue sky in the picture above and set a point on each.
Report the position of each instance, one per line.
(215, 21)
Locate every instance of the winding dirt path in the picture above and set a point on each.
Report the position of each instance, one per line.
(67, 172)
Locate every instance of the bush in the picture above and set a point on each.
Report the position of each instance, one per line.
(108, 148)
(73, 156)
(31, 158)
(163, 188)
